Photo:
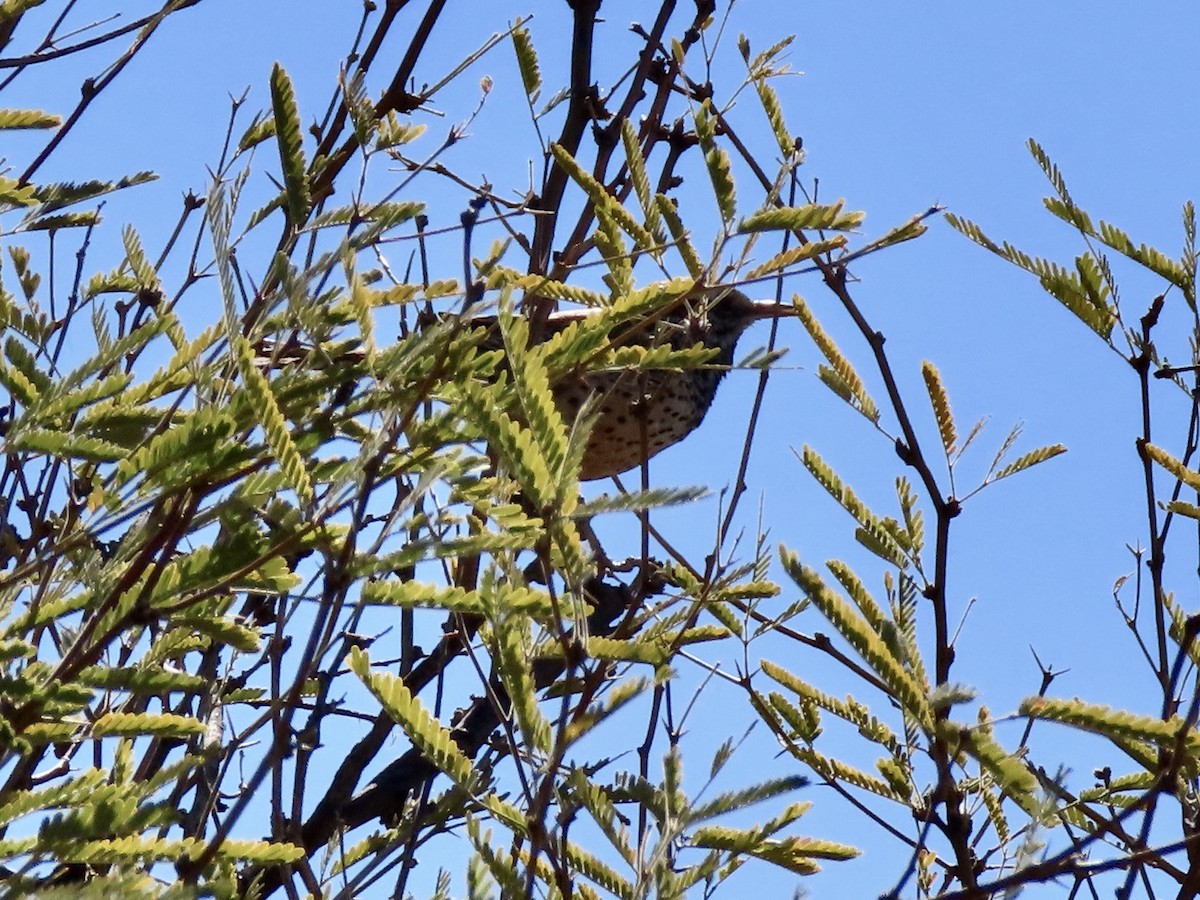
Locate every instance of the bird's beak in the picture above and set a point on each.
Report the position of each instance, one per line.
(769, 309)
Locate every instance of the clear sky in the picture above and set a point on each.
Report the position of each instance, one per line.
(901, 106)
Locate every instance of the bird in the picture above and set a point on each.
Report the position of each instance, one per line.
(641, 412)
(638, 412)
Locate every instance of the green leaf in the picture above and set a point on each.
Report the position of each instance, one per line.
(862, 598)
(1114, 723)
(66, 193)
(72, 792)
(181, 370)
(766, 62)
(135, 257)
(531, 385)
(514, 445)
(291, 146)
(614, 699)
(63, 220)
(540, 286)
(279, 437)
(848, 709)
(14, 193)
(527, 62)
(64, 444)
(451, 548)
(1009, 772)
(52, 408)
(1070, 213)
(1077, 293)
(497, 862)
(194, 444)
(512, 647)
(794, 218)
(603, 201)
(841, 376)
(717, 161)
(222, 630)
(909, 230)
(805, 251)
(28, 118)
(261, 129)
(423, 594)
(393, 132)
(137, 850)
(774, 109)
(834, 770)
(795, 854)
(1183, 508)
(641, 184)
(20, 386)
(914, 518)
(640, 650)
(264, 212)
(129, 345)
(883, 540)
(12, 10)
(139, 724)
(940, 401)
(592, 868)
(149, 680)
(386, 215)
(743, 798)
(1027, 460)
(1148, 256)
(870, 646)
(611, 244)
(359, 106)
(679, 236)
(422, 728)
(597, 800)
(637, 501)
(116, 282)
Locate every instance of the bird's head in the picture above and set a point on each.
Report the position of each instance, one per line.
(726, 312)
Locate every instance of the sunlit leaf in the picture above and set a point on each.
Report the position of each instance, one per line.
(291, 146)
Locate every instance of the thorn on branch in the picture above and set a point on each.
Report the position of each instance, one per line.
(1171, 371)
(1141, 362)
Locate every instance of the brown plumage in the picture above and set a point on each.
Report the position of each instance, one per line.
(640, 413)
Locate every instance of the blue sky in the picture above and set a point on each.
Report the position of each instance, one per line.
(901, 107)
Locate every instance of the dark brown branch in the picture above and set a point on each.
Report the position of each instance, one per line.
(579, 113)
(92, 87)
(390, 790)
